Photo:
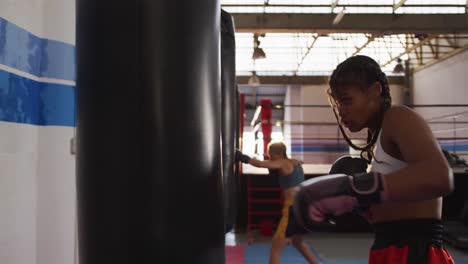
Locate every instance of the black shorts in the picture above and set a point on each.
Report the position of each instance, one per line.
(293, 227)
(415, 241)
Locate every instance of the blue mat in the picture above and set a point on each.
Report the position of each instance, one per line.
(258, 254)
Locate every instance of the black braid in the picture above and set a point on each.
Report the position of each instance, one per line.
(361, 71)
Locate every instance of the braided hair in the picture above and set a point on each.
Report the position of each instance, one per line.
(361, 71)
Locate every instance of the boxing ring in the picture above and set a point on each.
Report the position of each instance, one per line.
(317, 151)
(305, 143)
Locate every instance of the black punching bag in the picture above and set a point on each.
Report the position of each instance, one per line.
(149, 170)
(229, 112)
(237, 175)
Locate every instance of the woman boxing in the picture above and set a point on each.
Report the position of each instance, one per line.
(408, 177)
(290, 174)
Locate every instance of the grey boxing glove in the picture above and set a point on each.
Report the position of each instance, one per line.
(334, 195)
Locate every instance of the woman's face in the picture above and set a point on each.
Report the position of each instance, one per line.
(358, 108)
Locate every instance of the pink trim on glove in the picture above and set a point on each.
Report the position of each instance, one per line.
(320, 210)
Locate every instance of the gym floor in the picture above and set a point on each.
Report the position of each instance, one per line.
(329, 248)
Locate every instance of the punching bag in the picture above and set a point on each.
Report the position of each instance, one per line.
(149, 181)
(228, 116)
(237, 165)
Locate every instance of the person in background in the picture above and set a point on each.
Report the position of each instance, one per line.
(290, 174)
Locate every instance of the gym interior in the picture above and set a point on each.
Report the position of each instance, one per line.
(120, 121)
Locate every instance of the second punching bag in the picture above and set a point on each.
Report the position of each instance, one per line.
(229, 119)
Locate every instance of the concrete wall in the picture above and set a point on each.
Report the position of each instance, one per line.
(445, 83)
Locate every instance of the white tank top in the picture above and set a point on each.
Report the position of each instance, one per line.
(387, 164)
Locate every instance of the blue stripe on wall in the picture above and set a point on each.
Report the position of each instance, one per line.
(457, 147)
(23, 100)
(326, 148)
(26, 52)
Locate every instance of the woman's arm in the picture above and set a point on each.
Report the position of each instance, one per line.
(269, 164)
(428, 174)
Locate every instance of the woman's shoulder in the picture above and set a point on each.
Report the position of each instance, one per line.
(398, 110)
(400, 119)
(295, 162)
(398, 114)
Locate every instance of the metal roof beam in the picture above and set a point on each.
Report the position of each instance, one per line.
(441, 58)
(369, 40)
(352, 23)
(335, 4)
(307, 53)
(303, 80)
(410, 49)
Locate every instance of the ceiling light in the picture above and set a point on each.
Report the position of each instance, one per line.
(254, 80)
(420, 37)
(258, 52)
(398, 67)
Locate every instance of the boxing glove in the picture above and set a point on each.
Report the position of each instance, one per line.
(242, 157)
(335, 194)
